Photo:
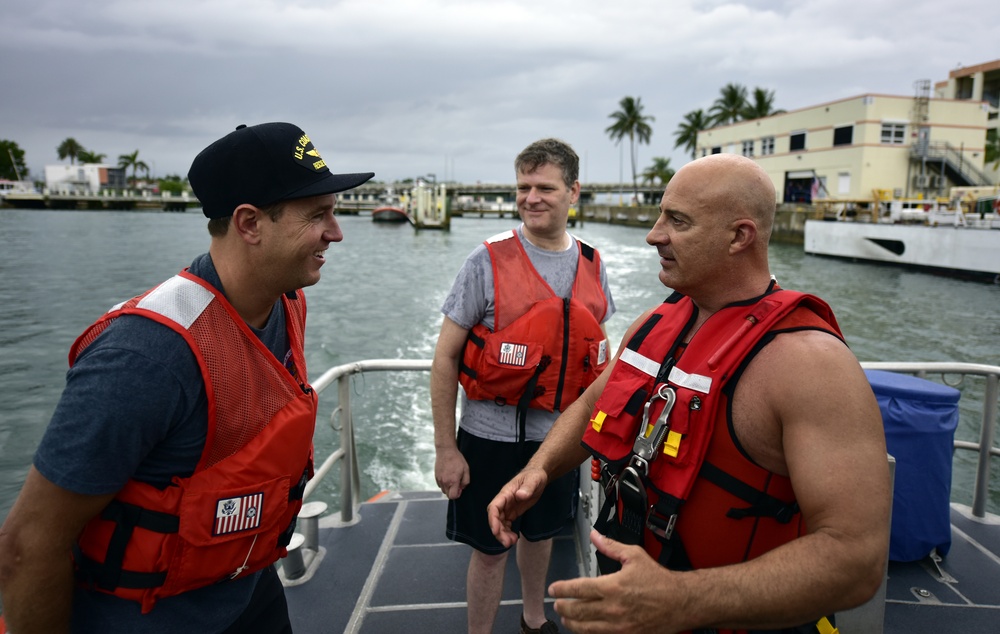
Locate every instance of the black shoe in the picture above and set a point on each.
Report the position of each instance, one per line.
(547, 627)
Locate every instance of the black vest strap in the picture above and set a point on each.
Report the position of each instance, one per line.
(761, 504)
(127, 517)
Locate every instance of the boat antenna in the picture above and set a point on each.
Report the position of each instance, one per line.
(17, 172)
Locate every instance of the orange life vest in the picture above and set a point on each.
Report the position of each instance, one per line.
(733, 510)
(235, 514)
(544, 350)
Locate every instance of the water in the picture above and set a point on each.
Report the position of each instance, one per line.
(380, 297)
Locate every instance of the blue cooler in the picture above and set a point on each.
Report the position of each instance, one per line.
(920, 418)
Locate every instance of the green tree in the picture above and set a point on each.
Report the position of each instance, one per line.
(729, 107)
(172, 183)
(630, 122)
(132, 161)
(687, 130)
(12, 165)
(992, 149)
(69, 148)
(660, 171)
(760, 105)
(87, 156)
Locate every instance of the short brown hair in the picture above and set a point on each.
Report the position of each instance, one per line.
(218, 227)
(549, 151)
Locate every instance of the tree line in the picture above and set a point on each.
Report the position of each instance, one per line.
(13, 166)
(734, 104)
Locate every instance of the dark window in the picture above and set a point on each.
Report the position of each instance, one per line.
(844, 135)
(797, 141)
(717, 149)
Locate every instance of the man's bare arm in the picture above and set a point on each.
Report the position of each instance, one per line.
(36, 540)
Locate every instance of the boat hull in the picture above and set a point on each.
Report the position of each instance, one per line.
(963, 252)
(390, 215)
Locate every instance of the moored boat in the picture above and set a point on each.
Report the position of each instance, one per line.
(917, 234)
(390, 215)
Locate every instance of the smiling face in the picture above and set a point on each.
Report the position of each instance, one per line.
(295, 244)
(543, 201)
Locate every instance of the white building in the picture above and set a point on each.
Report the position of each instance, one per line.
(865, 147)
(88, 178)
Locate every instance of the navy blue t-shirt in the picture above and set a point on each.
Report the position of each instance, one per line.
(135, 406)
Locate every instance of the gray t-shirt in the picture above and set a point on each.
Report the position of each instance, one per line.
(470, 302)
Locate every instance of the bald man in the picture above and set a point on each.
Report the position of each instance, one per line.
(735, 435)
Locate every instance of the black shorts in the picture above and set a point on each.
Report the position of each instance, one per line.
(491, 465)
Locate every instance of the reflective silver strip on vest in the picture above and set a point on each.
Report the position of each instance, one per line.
(178, 299)
(695, 382)
(505, 235)
(639, 362)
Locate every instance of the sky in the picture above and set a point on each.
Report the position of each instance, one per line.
(454, 88)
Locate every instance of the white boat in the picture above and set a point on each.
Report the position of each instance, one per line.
(384, 565)
(919, 234)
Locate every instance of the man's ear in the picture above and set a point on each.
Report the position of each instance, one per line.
(246, 222)
(744, 235)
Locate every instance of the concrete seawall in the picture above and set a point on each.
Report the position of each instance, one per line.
(789, 220)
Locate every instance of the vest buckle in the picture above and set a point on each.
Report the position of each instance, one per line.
(648, 441)
(660, 525)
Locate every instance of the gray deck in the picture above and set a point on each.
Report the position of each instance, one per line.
(395, 571)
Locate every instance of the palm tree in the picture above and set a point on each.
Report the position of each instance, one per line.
(687, 131)
(69, 148)
(86, 156)
(729, 107)
(132, 160)
(660, 171)
(761, 105)
(629, 121)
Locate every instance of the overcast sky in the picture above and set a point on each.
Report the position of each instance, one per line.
(451, 87)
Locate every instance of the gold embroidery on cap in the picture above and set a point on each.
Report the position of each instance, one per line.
(301, 151)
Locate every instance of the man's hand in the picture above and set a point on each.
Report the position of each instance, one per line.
(451, 472)
(630, 600)
(516, 497)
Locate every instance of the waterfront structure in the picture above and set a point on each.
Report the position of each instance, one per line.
(87, 178)
(977, 83)
(864, 147)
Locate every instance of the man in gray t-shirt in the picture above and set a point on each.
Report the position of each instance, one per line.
(498, 434)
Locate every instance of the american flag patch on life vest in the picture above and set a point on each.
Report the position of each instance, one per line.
(513, 354)
(233, 515)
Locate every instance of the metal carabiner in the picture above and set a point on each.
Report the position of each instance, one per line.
(646, 444)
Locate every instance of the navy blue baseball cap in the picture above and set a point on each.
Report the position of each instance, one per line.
(261, 165)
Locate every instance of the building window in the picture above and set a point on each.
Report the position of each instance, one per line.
(843, 135)
(894, 133)
(717, 149)
(767, 145)
(797, 141)
(748, 148)
(844, 183)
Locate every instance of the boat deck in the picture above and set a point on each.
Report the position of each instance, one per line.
(395, 571)
(960, 594)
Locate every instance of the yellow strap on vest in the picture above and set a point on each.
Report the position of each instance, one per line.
(598, 421)
(823, 626)
(672, 444)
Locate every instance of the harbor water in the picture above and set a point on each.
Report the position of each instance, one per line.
(380, 296)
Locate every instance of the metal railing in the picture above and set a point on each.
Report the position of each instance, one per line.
(347, 455)
(350, 479)
(944, 152)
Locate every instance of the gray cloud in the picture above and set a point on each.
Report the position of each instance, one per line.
(452, 87)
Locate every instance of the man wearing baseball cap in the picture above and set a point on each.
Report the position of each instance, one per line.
(171, 473)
